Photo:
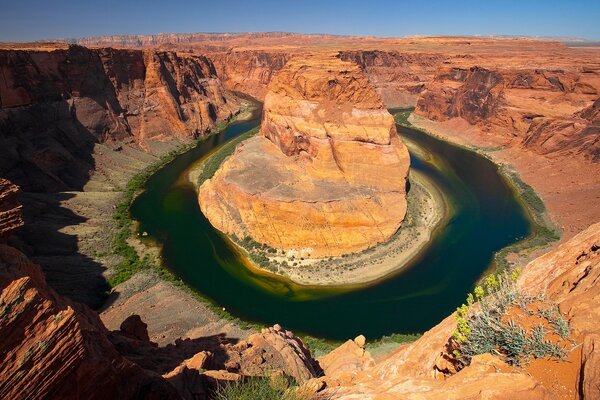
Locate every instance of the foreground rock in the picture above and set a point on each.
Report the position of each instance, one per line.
(569, 276)
(327, 174)
(54, 348)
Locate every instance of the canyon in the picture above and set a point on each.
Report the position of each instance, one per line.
(77, 123)
(327, 173)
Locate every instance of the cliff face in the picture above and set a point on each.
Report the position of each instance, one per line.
(55, 105)
(54, 348)
(326, 175)
(549, 111)
(11, 217)
(398, 77)
(248, 71)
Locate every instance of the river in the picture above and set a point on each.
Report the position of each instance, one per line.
(486, 216)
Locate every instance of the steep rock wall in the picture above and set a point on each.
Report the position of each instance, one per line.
(549, 111)
(398, 77)
(56, 105)
(248, 71)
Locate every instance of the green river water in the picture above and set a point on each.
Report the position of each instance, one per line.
(486, 216)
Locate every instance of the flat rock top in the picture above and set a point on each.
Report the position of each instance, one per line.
(258, 166)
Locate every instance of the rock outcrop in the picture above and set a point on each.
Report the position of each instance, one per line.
(543, 110)
(54, 348)
(11, 217)
(248, 71)
(327, 173)
(567, 275)
(398, 77)
(55, 105)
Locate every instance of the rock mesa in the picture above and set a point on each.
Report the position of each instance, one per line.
(327, 173)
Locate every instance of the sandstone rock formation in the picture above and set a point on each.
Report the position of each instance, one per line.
(326, 175)
(540, 109)
(568, 275)
(248, 71)
(53, 348)
(343, 364)
(398, 77)
(55, 105)
(11, 216)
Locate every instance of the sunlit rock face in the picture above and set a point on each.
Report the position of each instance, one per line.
(327, 173)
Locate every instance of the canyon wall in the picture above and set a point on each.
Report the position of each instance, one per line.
(11, 216)
(248, 71)
(547, 110)
(53, 348)
(327, 173)
(398, 77)
(56, 104)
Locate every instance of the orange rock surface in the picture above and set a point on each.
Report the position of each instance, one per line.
(326, 175)
(568, 275)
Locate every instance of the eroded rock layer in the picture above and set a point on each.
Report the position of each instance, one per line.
(11, 216)
(546, 110)
(326, 175)
(56, 104)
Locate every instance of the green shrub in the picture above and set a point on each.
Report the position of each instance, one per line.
(401, 117)
(257, 388)
(487, 327)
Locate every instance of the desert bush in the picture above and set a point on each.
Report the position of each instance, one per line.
(257, 388)
(487, 324)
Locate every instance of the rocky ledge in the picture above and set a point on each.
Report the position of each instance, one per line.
(327, 173)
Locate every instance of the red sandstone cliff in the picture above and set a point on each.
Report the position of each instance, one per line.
(398, 77)
(248, 71)
(549, 111)
(56, 104)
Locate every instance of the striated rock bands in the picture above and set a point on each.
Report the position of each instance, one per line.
(11, 216)
(56, 105)
(398, 77)
(539, 109)
(326, 175)
(53, 348)
(248, 71)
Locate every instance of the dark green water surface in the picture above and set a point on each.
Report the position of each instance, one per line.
(485, 217)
